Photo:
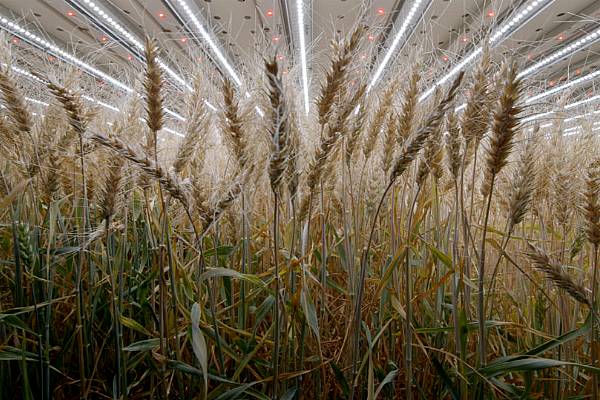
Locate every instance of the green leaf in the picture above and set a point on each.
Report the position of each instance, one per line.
(26, 309)
(143, 345)
(445, 379)
(220, 251)
(389, 378)
(236, 392)
(440, 255)
(510, 364)
(339, 375)
(16, 322)
(199, 344)
(132, 324)
(290, 394)
(9, 353)
(220, 272)
(263, 310)
(552, 343)
(188, 369)
(310, 313)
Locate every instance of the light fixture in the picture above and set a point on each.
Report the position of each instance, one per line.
(85, 97)
(582, 102)
(70, 13)
(416, 11)
(36, 101)
(162, 15)
(198, 27)
(303, 63)
(67, 57)
(491, 13)
(560, 88)
(174, 115)
(269, 13)
(101, 103)
(461, 107)
(567, 120)
(113, 27)
(518, 19)
(191, 17)
(51, 48)
(564, 52)
(536, 116)
(381, 11)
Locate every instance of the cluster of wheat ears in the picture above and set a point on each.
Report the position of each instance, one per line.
(381, 247)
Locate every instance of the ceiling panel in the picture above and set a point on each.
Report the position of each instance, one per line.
(247, 30)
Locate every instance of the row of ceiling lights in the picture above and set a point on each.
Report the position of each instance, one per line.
(495, 37)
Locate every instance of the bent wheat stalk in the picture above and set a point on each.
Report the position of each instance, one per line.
(401, 163)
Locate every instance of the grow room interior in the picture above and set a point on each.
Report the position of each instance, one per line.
(299, 199)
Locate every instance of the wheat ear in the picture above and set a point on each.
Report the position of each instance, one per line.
(556, 274)
(415, 143)
(278, 128)
(336, 76)
(15, 103)
(167, 181)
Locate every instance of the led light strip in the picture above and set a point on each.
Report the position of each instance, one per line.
(207, 37)
(101, 103)
(133, 40)
(536, 116)
(568, 106)
(585, 101)
(458, 67)
(564, 52)
(36, 101)
(90, 99)
(563, 87)
(581, 116)
(518, 20)
(67, 57)
(401, 33)
(130, 37)
(300, 11)
(212, 44)
(58, 52)
(85, 97)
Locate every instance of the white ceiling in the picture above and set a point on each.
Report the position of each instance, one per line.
(245, 29)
